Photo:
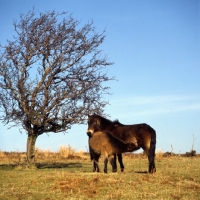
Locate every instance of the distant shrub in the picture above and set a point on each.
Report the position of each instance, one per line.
(169, 154)
(191, 153)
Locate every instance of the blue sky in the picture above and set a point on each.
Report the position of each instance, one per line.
(155, 47)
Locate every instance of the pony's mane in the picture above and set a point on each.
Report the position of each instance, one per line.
(108, 121)
(103, 118)
(116, 122)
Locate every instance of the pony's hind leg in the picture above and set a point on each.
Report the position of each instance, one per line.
(151, 155)
(151, 158)
(152, 167)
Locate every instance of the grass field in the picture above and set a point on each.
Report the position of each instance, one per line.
(67, 174)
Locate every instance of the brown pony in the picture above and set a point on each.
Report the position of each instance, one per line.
(141, 135)
(105, 144)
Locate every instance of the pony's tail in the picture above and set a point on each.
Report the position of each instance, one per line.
(152, 167)
(153, 141)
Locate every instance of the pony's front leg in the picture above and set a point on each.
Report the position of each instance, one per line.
(120, 162)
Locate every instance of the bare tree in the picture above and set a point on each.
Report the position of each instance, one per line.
(51, 75)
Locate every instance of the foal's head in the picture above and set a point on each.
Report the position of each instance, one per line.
(94, 124)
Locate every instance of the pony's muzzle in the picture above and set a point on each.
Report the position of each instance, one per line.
(89, 134)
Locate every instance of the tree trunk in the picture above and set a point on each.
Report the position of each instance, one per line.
(30, 151)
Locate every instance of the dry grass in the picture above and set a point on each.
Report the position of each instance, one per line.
(68, 151)
(65, 175)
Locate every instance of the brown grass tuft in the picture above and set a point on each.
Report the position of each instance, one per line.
(66, 151)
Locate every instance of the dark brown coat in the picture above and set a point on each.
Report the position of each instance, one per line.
(142, 135)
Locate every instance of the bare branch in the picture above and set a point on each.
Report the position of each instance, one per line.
(52, 73)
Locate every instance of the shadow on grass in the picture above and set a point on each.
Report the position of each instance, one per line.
(7, 166)
(141, 172)
(58, 165)
(55, 165)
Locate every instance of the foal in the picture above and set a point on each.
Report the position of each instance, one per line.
(105, 144)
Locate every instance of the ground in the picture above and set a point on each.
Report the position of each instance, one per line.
(68, 175)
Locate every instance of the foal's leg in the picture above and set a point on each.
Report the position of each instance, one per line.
(105, 156)
(113, 163)
(105, 164)
(95, 163)
(120, 162)
(95, 166)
